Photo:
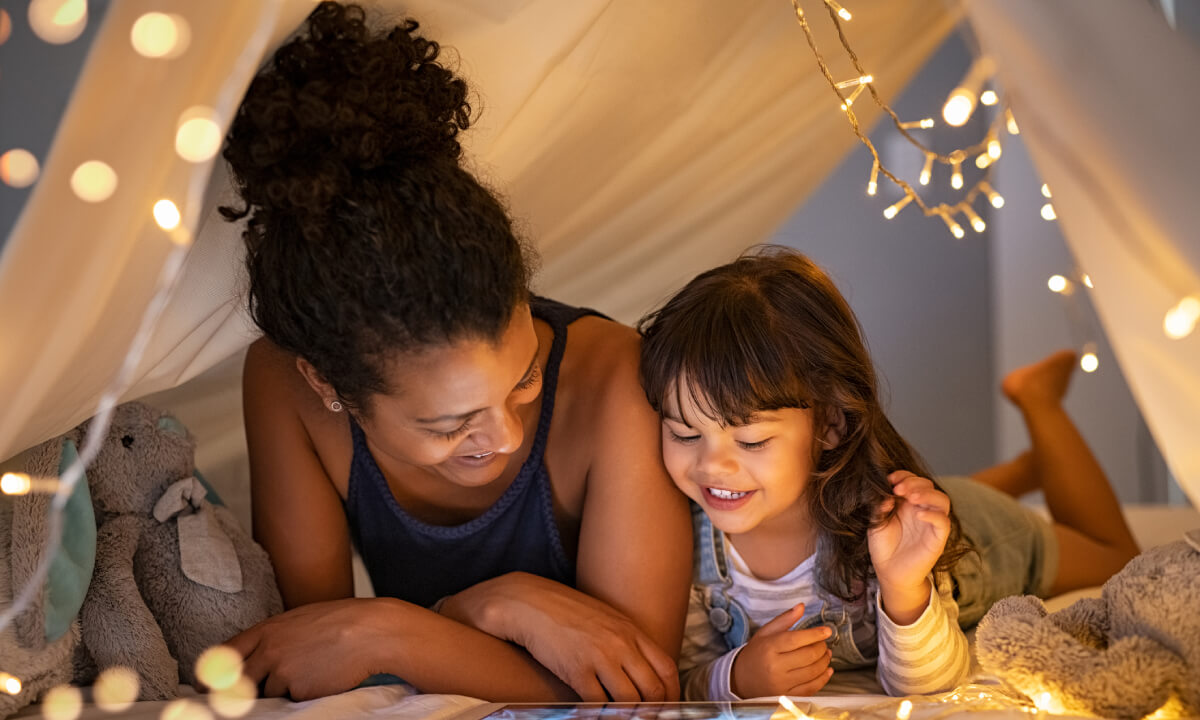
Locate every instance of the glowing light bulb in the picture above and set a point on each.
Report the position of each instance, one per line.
(1181, 320)
(961, 101)
(861, 79)
(853, 96)
(958, 108)
(977, 222)
(873, 184)
(989, 97)
(18, 168)
(1057, 283)
(94, 181)
(198, 137)
(922, 124)
(160, 35)
(994, 149)
(12, 483)
(956, 178)
(905, 710)
(1011, 123)
(982, 160)
(1045, 190)
(58, 21)
(115, 689)
(62, 702)
(955, 229)
(842, 12)
(166, 214)
(1048, 213)
(892, 210)
(1089, 362)
(1087, 280)
(995, 198)
(790, 706)
(219, 667)
(9, 684)
(927, 171)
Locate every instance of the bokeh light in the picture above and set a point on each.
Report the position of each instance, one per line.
(166, 214)
(160, 35)
(184, 709)
(63, 702)
(235, 701)
(219, 667)
(199, 136)
(18, 168)
(1089, 362)
(5, 26)
(58, 21)
(1057, 283)
(94, 181)
(1181, 320)
(116, 689)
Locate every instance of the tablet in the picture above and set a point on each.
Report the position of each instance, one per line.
(628, 711)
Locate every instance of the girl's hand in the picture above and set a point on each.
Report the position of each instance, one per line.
(591, 647)
(779, 661)
(905, 548)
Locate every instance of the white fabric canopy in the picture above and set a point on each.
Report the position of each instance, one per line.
(636, 143)
(1106, 99)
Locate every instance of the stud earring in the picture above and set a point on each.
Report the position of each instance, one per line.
(335, 406)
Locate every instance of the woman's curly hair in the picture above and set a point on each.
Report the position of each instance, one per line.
(770, 331)
(365, 237)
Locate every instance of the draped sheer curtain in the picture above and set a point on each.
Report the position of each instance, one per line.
(636, 143)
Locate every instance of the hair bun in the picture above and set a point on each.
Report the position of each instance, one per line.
(339, 101)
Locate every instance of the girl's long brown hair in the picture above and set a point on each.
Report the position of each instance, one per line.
(771, 331)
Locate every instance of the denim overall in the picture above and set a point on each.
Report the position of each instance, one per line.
(711, 576)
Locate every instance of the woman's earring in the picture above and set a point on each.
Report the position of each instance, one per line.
(335, 406)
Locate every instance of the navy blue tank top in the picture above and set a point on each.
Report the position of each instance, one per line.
(422, 563)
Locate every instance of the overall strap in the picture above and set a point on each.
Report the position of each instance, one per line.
(711, 573)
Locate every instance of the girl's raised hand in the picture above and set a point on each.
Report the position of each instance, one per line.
(905, 548)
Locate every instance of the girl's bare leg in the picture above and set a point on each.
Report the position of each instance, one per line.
(1094, 540)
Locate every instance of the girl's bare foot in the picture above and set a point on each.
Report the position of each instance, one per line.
(1041, 383)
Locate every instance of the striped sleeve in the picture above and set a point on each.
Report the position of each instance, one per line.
(705, 664)
(930, 655)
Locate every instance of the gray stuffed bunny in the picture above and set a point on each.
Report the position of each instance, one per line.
(174, 571)
(1126, 654)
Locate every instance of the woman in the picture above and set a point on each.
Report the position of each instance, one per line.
(499, 475)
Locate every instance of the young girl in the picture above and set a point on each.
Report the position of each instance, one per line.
(489, 453)
(820, 541)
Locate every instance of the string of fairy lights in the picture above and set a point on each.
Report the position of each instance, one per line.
(197, 139)
(1179, 321)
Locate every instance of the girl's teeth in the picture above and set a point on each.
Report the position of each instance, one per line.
(727, 494)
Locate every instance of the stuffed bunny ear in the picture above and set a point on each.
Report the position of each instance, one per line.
(59, 597)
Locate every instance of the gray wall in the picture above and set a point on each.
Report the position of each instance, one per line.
(922, 296)
(36, 80)
(946, 319)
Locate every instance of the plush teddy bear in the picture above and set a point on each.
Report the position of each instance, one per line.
(37, 645)
(1126, 654)
(174, 571)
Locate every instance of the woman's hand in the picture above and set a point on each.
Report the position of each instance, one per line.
(905, 548)
(591, 647)
(316, 650)
(781, 661)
